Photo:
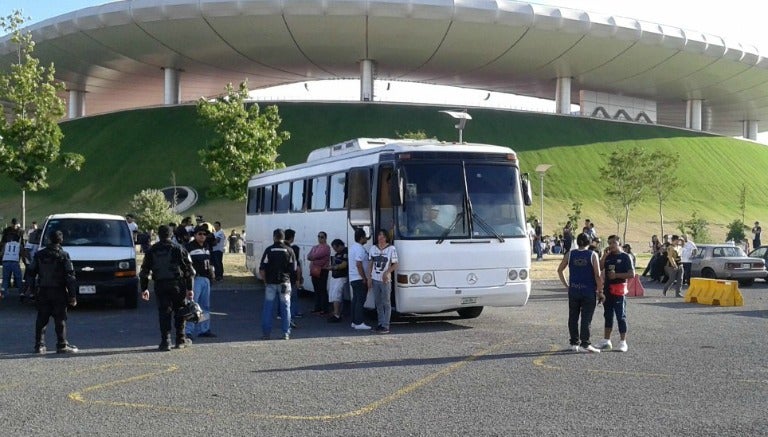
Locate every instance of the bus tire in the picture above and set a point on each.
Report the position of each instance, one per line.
(469, 313)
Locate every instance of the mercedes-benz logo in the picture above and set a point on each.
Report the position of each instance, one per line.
(471, 279)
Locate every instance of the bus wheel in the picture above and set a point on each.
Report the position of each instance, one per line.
(470, 313)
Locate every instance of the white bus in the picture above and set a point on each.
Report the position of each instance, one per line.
(455, 212)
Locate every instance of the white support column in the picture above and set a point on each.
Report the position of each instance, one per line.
(563, 95)
(366, 80)
(750, 129)
(172, 89)
(693, 116)
(76, 104)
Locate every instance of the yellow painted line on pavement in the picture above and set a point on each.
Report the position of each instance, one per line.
(80, 396)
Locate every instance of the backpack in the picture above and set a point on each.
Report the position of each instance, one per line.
(164, 265)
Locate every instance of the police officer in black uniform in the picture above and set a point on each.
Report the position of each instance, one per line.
(172, 272)
(52, 278)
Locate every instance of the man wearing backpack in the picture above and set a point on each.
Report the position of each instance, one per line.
(172, 273)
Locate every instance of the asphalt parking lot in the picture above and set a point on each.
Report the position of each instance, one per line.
(691, 370)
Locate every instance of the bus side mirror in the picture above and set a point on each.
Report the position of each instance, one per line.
(525, 185)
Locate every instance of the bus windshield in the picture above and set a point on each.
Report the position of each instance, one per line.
(435, 205)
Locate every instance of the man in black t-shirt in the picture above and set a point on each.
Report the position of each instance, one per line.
(277, 264)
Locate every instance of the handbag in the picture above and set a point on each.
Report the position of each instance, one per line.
(315, 271)
(619, 290)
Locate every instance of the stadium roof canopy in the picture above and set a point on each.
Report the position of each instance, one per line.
(116, 52)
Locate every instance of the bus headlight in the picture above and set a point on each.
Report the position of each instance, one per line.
(414, 278)
(512, 275)
(427, 278)
(523, 274)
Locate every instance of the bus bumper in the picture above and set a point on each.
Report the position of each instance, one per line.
(433, 299)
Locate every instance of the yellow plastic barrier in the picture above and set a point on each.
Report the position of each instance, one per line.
(714, 292)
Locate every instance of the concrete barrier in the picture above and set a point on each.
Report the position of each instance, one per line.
(714, 292)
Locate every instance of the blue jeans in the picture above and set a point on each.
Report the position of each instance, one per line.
(615, 305)
(580, 305)
(202, 289)
(359, 293)
(271, 291)
(11, 267)
(381, 293)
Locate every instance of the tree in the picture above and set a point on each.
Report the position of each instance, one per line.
(245, 142)
(662, 178)
(152, 210)
(30, 139)
(625, 177)
(417, 135)
(697, 228)
(575, 216)
(743, 201)
(615, 211)
(736, 232)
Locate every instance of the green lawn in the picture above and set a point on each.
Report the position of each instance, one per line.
(129, 151)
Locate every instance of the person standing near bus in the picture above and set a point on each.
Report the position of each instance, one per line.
(358, 279)
(201, 284)
(297, 280)
(585, 290)
(339, 273)
(383, 261)
(275, 269)
(319, 258)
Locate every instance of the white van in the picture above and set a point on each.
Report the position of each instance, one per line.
(103, 253)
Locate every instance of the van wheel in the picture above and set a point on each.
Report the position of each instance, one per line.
(469, 313)
(131, 300)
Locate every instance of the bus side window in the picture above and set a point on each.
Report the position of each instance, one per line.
(319, 198)
(297, 196)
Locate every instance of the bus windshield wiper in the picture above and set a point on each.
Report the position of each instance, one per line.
(486, 227)
(459, 216)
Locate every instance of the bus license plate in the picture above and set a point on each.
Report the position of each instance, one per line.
(87, 289)
(468, 300)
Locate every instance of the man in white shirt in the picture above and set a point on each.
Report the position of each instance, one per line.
(689, 249)
(132, 226)
(217, 254)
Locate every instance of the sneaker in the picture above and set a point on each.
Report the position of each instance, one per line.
(589, 348)
(164, 346)
(382, 330)
(623, 346)
(208, 334)
(66, 349)
(286, 336)
(334, 319)
(575, 347)
(40, 349)
(604, 344)
(361, 327)
(183, 343)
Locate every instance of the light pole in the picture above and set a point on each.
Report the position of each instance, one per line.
(541, 169)
(462, 117)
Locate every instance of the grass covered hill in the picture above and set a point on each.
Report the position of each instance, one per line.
(152, 148)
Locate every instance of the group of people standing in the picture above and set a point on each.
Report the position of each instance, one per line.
(670, 262)
(365, 271)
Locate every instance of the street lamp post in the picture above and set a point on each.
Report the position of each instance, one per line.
(541, 169)
(462, 117)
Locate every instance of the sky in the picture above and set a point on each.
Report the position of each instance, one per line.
(737, 21)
